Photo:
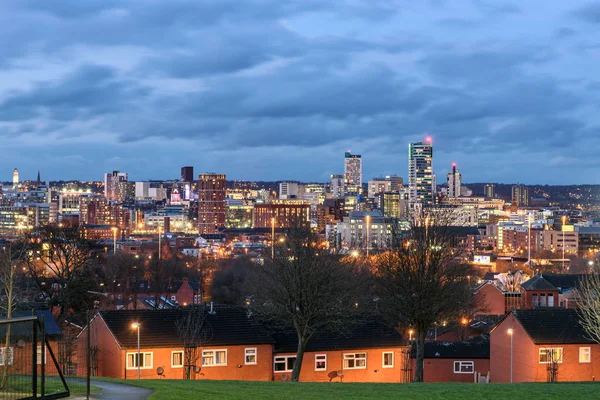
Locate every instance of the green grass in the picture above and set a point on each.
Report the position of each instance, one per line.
(191, 390)
(21, 384)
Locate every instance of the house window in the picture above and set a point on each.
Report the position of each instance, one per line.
(213, 358)
(542, 300)
(585, 354)
(145, 360)
(355, 361)
(3, 355)
(39, 354)
(551, 355)
(320, 362)
(534, 300)
(550, 300)
(284, 363)
(464, 367)
(388, 359)
(250, 356)
(176, 359)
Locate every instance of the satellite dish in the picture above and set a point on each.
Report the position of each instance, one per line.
(197, 369)
(160, 370)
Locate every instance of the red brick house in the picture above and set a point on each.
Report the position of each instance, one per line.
(239, 348)
(548, 344)
(456, 361)
(551, 290)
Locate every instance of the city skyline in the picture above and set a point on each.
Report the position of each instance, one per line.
(259, 90)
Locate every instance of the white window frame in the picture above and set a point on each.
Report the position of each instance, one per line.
(383, 359)
(214, 355)
(460, 365)
(143, 354)
(39, 355)
(182, 358)
(11, 356)
(551, 349)
(321, 358)
(253, 352)
(353, 357)
(285, 360)
(585, 351)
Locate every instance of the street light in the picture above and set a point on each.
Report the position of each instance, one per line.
(410, 333)
(562, 228)
(159, 240)
(114, 229)
(136, 325)
(510, 332)
(272, 238)
(368, 222)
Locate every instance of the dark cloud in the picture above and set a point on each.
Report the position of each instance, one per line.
(589, 13)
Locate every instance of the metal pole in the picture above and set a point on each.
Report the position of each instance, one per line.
(273, 238)
(34, 359)
(115, 241)
(88, 356)
(529, 239)
(562, 228)
(511, 358)
(139, 355)
(43, 358)
(368, 218)
(159, 241)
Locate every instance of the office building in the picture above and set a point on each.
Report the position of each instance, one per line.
(116, 186)
(393, 204)
(352, 173)
(489, 191)
(396, 183)
(187, 174)
(287, 213)
(454, 181)
(420, 173)
(337, 186)
(520, 196)
(212, 191)
(378, 185)
(15, 179)
(288, 190)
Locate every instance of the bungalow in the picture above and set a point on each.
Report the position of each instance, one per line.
(237, 347)
(456, 361)
(542, 345)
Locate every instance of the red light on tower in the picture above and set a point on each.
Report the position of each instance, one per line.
(453, 165)
(428, 139)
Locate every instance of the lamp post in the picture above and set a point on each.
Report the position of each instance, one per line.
(529, 239)
(368, 222)
(510, 332)
(136, 325)
(272, 238)
(159, 240)
(562, 228)
(114, 229)
(410, 333)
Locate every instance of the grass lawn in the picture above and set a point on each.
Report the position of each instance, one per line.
(22, 385)
(191, 390)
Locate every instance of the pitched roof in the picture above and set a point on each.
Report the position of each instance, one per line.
(372, 333)
(476, 348)
(229, 325)
(538, 282)
(552, 326)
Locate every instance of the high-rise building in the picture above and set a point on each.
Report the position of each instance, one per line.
(15, 178)
(396, 183)
(187, 174)
(378, 185)
(420, 172)
(286, 213)
(116, 186)
(454, 181)
(489, 191)
(288, 190)
(393, 204)
(212, 191)
(337, 186)
(352, 173)
(520, 196)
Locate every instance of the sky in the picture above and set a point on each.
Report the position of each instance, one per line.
(277, 90)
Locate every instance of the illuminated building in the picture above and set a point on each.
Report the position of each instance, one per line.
(15, 179)
(287, 213)
(376, 186)
(155, 191)
(97, 210)
(420, 173)
(238, 215)
(356, 230)
(520, 196)
(211, 202)
(393, 204)
(288, 190)
(352, 173)
(454, 181)
(489, 191)
(116, 186)
(336, 182)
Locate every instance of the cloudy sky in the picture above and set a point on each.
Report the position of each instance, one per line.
(276, 89)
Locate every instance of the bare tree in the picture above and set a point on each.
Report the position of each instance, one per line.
(305, 290)
(60, 256)
(195, 331)
(511, 281)
(589, 309)
(423, 279)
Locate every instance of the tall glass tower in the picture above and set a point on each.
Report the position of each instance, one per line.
(420, 172)
(352, 173)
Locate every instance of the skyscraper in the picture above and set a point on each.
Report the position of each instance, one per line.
(187, 174)
(454, 181)
(352, 173)
(489, 191)
(15, 178)
(337, 186)
(520, 196)
(420, 172)
(212, 191)
(116, 186)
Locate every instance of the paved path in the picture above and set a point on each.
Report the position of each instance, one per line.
(116, 391)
